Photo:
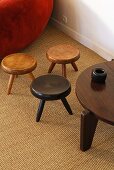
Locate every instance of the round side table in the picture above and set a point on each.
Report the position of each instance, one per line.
(63, 54)
(18, 64)
(97, 100)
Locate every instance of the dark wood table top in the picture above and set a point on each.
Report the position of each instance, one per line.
(97, 98)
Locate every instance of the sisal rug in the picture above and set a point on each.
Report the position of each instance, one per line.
(53, 143)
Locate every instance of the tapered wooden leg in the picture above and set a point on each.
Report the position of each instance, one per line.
(31, 76)
(67, 106)
(40, 110)
(51, 67)
(74, 66)
(10, 83)
(87, 130)
(64, 70)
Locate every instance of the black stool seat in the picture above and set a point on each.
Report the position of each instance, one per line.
(50, 87)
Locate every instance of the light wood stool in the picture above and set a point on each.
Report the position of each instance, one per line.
(18, 64)
(63, 54)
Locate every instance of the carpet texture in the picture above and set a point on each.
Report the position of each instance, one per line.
(53, 143)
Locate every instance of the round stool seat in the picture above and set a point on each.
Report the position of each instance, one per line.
(50, 87)
(18, 63)
(63, 54)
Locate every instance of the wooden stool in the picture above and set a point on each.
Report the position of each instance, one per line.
(50, 87)
(18, 64)
(63, 54)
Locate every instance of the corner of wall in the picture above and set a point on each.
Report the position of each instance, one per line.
(83, 40)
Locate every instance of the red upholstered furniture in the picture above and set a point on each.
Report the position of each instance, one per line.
(21, 22)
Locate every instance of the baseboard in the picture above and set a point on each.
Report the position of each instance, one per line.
(83, 40)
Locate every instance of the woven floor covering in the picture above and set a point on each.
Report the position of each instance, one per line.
(54, 142)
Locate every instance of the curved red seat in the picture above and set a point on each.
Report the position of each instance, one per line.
(21, 22)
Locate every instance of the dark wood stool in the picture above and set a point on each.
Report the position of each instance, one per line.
(50, 87)
(18, 64)
(63, 54)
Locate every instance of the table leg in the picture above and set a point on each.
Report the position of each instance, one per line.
(64, 70)
(67, 106)
(40, 110)
(10, 83)
(31, 76)
(51, 67)
(74, 66)
(87, 131)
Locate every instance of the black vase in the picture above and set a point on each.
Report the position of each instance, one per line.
(98, 75)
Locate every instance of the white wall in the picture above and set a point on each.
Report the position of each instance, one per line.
(90, 22)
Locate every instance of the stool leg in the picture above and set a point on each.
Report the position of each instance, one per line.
(10, 83)
(74, 66)
(51, 67)
(64, 70)
(31, 76)
(40, 110)
(67, 106)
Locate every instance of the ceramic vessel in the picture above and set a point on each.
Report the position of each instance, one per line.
(99, 75)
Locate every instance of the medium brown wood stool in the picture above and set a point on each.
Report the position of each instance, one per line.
(18, 64)
(63, 54)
